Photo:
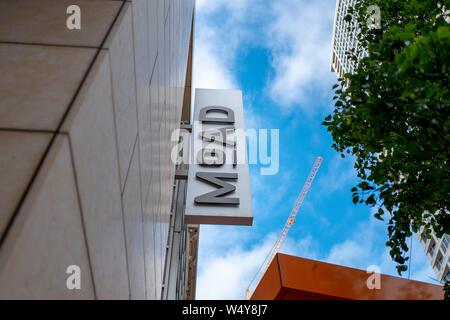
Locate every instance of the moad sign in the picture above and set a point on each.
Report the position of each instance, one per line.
(218, 189)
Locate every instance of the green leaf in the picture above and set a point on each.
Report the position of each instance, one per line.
(392, 115)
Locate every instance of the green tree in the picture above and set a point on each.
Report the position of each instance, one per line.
(392, 115)
(447, 290)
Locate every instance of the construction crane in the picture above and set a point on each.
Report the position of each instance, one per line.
(290, 221)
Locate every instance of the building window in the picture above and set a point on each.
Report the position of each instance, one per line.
(423, 237)
(439, 262)
(445, 242)
(432, 247)
(446, 276)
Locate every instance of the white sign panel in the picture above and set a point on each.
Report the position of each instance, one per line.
(218, 190)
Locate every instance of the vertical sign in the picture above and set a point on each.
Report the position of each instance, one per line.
(218, 190)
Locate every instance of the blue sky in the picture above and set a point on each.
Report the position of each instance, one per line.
(277, 53)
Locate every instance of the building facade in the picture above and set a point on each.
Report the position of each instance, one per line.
(438, 253)
(343, 40)
(86, 116)
(437, 250)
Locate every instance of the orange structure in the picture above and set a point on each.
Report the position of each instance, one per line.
(294, 278)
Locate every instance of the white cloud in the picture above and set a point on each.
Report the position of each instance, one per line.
(216, 44)
(226, 266)
(365, 247)
(347, 253)
(359, 250)
(209, 70)
(225, 274)
(208, 6)
(300, 39)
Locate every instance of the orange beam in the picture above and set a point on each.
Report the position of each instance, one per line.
(294, 278)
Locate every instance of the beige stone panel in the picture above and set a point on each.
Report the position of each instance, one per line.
(45, 21)
(157, 102)
(153, 198)
(152, 30)
(145, 138)
(149, 216)
(91, 128)
(132, 209)
(37, 83)
(20, 154)
(143, 76)
(149, 245)
(144, 62)
(164, 134)
(161, 186)
(121, 52)
(167, 4)
(161, 56)
(159, 262)
(145, 80)
(153, 202)
(149, 134)
(47, 236)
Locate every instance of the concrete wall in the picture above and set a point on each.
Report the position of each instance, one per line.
(85, 123)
